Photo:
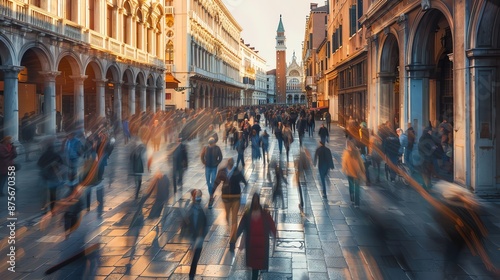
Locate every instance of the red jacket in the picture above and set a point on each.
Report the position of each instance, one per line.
(7, 155)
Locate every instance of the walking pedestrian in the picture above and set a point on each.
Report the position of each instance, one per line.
(426, 149)
(50, 163)
(301, 127)
(211, 156)
(197, 225)
(264, 139)
(257, 224)
(255, 140)
(287, 140)
(240, 149)
(328, 119)
(391, 146)
(354, 168)
(231, 178)
(73, 151)
(323, 133)
(279, 136)
(7, 155)
(137, 164)
(179, 163)
(324, 160)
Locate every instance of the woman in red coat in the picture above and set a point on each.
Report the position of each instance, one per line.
(257, 225)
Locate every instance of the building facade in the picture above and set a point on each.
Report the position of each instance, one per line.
(431, 61)
(102, 61)
(203, 50)
(253, 76)
(295, 92)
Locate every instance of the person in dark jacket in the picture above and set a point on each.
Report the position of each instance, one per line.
(231, 178)
(279, 136)
(240, 149)
(410, 133)
(328, 120)
(301, 127)
(323, 133)
(137, 163)
(50, 163)
(264, 140)
(390, 146)
(324, 160)
(426, 150)
(179, 163)
(257, 224)
(211, 156)
(198, 227)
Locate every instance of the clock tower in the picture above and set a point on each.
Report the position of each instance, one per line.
(280, 63)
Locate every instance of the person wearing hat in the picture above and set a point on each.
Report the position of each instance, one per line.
(324, 160)
(211, 156)
(7, 155)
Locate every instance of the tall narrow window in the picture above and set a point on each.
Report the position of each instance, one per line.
(169, 53)
(109, 21)
(35, 3)
(139, 31)
(68, 9)
(127, 20)
(360, 12)
(91, 14)
(352, 20)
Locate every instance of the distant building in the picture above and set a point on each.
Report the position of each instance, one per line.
(295, 92)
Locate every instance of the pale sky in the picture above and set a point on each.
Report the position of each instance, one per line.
(259, 20)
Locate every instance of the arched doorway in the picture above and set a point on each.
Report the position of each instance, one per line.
(129, 94)
(431, 83)
(140, 94)
(8, 82)
(150, 94)
(389, 97)
(484, 59)
(69, 88)
(94, 88)
(432, 71)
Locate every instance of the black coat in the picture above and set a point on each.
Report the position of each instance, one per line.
(180, 157)
(323, 158)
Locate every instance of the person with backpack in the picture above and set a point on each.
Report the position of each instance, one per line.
(211, 156)
(231, 178)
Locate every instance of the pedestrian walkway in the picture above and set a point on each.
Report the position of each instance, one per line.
(392, 235)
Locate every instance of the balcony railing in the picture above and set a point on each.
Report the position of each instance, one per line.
(34, 18)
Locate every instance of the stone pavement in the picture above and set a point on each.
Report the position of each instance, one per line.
(392, 236)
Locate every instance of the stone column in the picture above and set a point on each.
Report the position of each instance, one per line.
(49, 101)
(79, 117)
(142, 90)
(159, 100)
(117, 100)
(10, 101)
(100, 89)
(131, 98)
(152, 100)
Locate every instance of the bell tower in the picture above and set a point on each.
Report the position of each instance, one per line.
(280, 63)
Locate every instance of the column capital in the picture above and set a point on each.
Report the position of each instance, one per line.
(100, 83)
(141, 87)
(130, 85)
(151, 87)
(11, 71)
(79, 78)
(49, 76)
(116, 83)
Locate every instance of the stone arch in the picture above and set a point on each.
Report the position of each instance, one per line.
(426, 23)
(96, 65)
(74, 61)
(485, 18)
(7, 53)
(42, 53)
(389, 56)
